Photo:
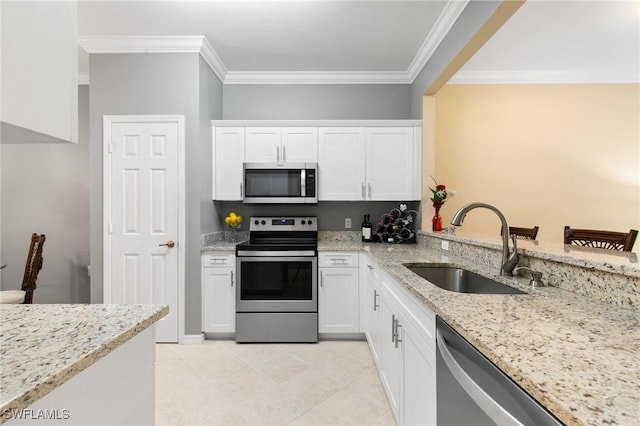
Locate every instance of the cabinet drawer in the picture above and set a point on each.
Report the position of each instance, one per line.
(218, 259)
(338, 259)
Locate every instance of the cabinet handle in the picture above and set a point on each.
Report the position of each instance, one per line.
(375, 301)
(241, 190)
(363, 196)
(398, 340)
(321, 278)
(231, 272)
(371, 268)
(278, 154)
(284, 154)
(369, 187)
(393, 328)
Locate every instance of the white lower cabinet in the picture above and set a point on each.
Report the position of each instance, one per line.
(401, 335)
(391, 356)
(218, 293)
(370, 310)
(419, 380)
(338, 292)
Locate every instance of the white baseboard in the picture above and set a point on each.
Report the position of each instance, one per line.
(193, 339)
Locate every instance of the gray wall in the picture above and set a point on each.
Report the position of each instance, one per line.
(316, 101)
(210, 109)
(149, 84)
(45, 189)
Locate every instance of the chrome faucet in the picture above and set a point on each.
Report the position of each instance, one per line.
(509, 261)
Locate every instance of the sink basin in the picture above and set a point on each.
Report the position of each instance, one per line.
(460, 280)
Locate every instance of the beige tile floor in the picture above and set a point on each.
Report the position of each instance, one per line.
(224, 383)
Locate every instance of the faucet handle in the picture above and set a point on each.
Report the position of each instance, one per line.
(535, 277)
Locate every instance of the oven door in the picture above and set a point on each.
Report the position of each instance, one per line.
(277, 284)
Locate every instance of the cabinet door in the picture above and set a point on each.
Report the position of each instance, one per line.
(391, 355)
(338, 300)
(341, 164)
(228, 155)
(374, 318)
(299, 145)
(218, 300)
(390, 160)
(39, 71)
(263, 145)
(419, 379)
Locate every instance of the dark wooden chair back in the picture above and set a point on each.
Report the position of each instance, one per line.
(609, 240)
(33, 267)
(523, 233)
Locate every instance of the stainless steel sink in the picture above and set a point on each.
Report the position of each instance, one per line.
(460, 280)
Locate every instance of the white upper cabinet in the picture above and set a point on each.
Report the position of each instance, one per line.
(263, 144)
(39, 71)
(341, 163)
(390, 158)
(281, 145)
(300, 144)
(369, 163)
(365, 160)
(228, 155)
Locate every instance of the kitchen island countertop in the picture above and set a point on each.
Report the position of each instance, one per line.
(43, 346)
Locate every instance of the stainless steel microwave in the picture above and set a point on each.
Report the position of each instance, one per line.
(288, 183)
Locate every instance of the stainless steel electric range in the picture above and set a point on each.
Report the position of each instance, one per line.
(277, 275)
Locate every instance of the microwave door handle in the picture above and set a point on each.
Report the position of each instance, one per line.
(303, 182)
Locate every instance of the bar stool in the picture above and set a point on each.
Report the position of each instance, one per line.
(31, 271)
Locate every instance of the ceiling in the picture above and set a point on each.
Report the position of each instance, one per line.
(389, 39)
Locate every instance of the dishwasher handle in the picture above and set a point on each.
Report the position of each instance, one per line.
(490, 406)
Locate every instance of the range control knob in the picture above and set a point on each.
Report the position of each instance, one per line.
(255, 222)
(303, 221)
(309, 222)
(263, 222)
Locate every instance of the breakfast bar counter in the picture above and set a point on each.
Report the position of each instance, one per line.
(44, 348)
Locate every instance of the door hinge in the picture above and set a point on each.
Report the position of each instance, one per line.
(111, 228)
(110, 148)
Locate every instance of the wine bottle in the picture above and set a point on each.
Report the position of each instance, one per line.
(366, 228)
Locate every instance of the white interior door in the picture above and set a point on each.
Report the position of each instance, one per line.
(142, 213)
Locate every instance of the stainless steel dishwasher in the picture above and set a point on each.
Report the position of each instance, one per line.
(472, 391)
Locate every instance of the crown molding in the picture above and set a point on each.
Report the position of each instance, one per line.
(199, 44)
(543, 77)
(447, 18)
(319, 77)
(156, 44)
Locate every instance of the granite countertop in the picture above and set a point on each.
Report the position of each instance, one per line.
(580, 358)
(43, 346)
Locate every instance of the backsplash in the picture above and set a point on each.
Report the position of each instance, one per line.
(617, 284)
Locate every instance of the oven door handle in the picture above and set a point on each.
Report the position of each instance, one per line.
(279, 253)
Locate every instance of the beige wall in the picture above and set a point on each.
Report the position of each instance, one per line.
(546, 155)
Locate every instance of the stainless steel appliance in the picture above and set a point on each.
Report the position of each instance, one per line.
(271, 183)
(472, 391)
(277, 275)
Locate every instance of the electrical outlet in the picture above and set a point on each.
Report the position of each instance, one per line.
(445, 245)
(347, 223)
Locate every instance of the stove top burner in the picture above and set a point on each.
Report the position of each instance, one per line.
(281, 234)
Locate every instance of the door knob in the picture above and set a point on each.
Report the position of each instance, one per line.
(169, 244)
